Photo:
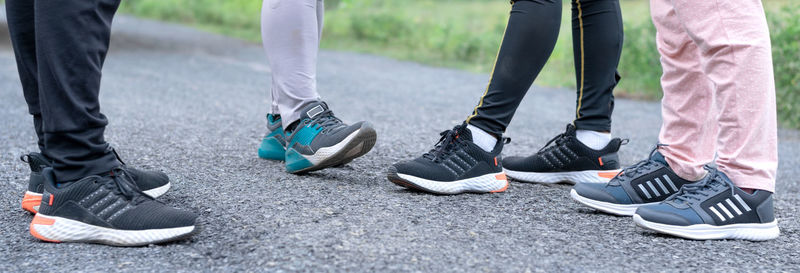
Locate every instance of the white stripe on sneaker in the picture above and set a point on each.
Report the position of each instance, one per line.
(653, 188)
(724, 209)
(735, 208)
(721, 218)
(741, 202)
(669, 181)
(664, 188)
(645, 191)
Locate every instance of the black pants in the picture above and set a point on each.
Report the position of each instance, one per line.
(528, 41)
(60, 47)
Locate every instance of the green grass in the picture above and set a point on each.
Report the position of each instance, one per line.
(465, 34)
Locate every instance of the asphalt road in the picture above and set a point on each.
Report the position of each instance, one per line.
(193, 104)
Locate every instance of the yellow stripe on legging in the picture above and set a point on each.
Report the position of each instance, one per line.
(491, 76)
(580, 96)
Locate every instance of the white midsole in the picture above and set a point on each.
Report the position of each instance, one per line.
(155, 193)
(326, 152)
(483, 183)
(593, 176)
(752, 232)
(67, 230)
(617, 209)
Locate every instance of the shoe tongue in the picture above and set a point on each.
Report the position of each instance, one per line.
(659, 158)
(313, 110)
(464, 133)
(571, 130)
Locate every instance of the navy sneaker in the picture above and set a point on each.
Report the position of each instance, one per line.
(152, 183)
(455, 165)
(107, 209)
(322, 140)
(713, 208)
(647, 182)
(273, 146)
(568, 160)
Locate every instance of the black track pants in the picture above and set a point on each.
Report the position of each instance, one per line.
(60, 47)
(528, 41)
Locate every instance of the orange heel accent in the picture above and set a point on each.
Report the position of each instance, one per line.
(39, 220)
(30, 201)
(608, 175)
(501, 177)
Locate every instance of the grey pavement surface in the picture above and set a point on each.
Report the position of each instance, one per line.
(193, 104)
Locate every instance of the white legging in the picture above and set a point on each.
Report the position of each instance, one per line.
(291, 31)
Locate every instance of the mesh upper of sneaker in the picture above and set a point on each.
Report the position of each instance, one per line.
(454, 157)
(110, 201)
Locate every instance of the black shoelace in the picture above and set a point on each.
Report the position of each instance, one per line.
(444, 147)
(121, 184)
(559, 140)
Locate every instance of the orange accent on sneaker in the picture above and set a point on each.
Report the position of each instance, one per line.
(39, 220)
(501, 176)
(600, 159)
(50, 203)
(608, 175)
(495, 161)
(29, 201)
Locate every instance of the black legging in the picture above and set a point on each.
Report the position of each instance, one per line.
(528, 41)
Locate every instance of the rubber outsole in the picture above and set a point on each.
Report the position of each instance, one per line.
(610, 208)
(484, 186)
(358, 146)
(751, 232)
(61, 230)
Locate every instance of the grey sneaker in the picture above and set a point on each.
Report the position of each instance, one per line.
(647, 182)
(322, 140)
(713, 208)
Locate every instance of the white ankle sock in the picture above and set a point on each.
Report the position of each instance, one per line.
(593, 139)
(483, 139)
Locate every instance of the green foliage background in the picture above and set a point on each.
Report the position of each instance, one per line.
(466, 34)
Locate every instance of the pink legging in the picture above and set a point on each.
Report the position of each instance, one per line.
(719, 90)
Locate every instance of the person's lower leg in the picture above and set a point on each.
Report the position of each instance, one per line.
(597, 38)
(21, 17)
(737, 58)
(290, 33)
(72, 39)
(527, 43)
(687, 129)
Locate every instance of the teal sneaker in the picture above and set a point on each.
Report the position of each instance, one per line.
(322, 140)
(273, 146)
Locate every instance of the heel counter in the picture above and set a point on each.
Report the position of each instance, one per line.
(766, 211)
(609, 161)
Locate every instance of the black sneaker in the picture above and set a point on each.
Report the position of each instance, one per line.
(152, 183)
(455, 165)
(322, 140)
(647, 182)
(106, 209)
(568, 160)
(713, 209)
